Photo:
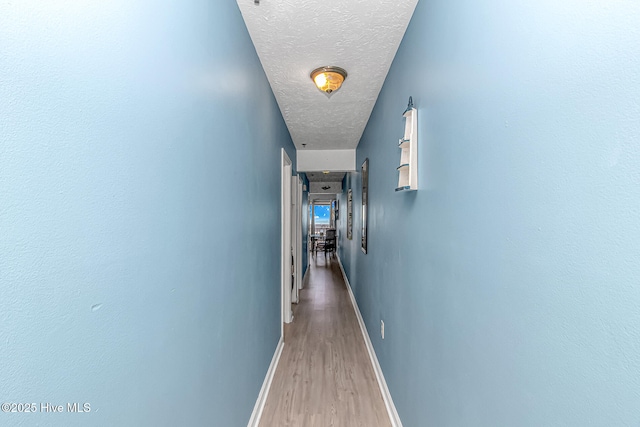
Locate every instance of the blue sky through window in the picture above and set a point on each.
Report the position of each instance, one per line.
(322, 214)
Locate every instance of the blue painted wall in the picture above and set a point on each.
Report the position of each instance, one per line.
(509, 283)
(139, 213)
(347, 247)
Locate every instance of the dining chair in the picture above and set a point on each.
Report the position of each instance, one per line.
(330, 241)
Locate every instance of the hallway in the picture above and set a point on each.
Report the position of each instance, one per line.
(143, 222)
(324, 377)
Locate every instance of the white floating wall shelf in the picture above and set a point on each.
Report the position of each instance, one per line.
(408, 144)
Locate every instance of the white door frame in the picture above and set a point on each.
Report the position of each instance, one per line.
(300, 236)
(294, 238)
(296, 234)
(285, 247)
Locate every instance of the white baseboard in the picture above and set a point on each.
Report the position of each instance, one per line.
(266, 385)
(386, 395)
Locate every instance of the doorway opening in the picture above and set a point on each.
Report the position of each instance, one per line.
(322, 232)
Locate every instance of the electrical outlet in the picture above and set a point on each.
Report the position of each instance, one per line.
(382, 328)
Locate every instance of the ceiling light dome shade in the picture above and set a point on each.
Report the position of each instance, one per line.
(328, 79)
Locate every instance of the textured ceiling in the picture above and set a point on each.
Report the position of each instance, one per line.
(293, 37)
(325, 177)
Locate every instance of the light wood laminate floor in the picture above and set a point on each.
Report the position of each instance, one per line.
(324, 377)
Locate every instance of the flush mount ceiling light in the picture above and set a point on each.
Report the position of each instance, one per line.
(328, 79)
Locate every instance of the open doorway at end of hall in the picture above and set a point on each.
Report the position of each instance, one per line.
(322, 232)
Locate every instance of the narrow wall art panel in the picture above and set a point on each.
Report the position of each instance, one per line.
(365, 202)
(350, 214)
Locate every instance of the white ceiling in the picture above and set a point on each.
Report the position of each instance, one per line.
(325, 177)
(325, 183)
(293, 37)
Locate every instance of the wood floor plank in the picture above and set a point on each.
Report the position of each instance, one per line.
(324, 377)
